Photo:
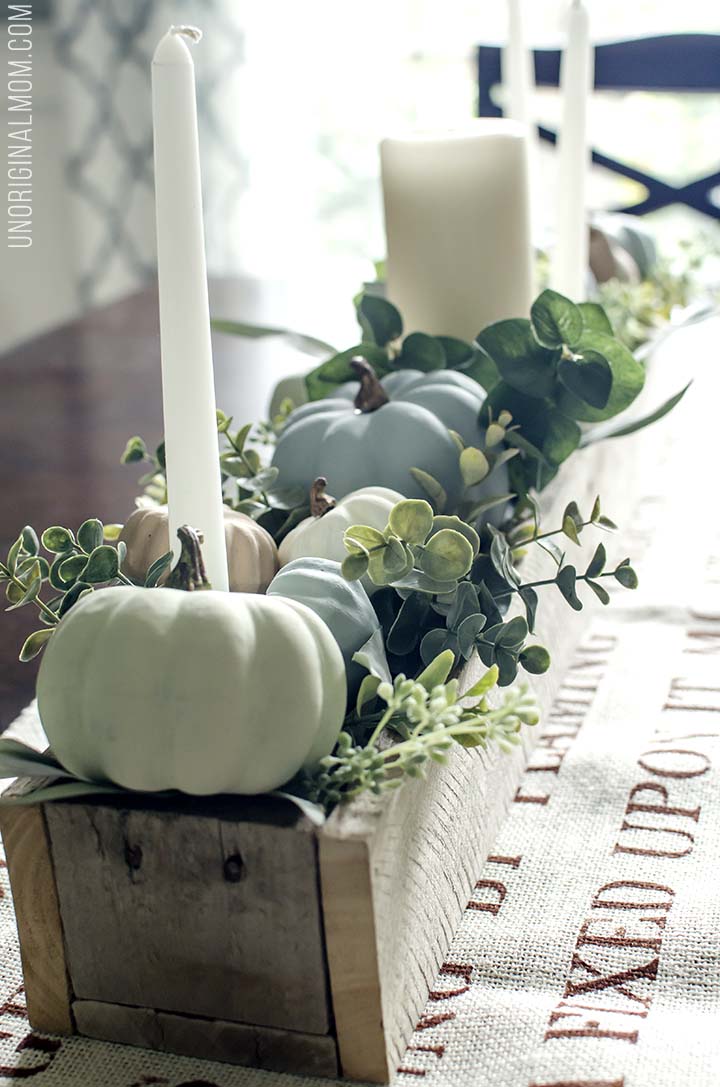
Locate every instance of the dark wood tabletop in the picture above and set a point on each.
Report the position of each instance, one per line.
(71, 398)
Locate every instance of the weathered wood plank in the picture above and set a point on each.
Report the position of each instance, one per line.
(424, 846)
(42, 950)
(210, 1039)
(199, 914)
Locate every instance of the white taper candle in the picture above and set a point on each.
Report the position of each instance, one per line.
(570, 261)
(191, 443)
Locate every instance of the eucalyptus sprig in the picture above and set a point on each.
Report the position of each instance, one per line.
(74, 565)
(249, 486)
(428, 719)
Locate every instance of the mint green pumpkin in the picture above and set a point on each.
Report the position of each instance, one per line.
(343, 605)
(390, 428)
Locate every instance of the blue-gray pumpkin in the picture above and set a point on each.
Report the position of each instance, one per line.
(343, 605)
(376, 439)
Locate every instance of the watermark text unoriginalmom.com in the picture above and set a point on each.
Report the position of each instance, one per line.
(20, 119)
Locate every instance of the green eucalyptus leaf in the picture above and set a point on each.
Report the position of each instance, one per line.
(507, 665)
(433, 489)
(412, 520)
(417, 581)
(474, 466)
(565, 581)
(379, 320)
(488, 605)
(30, 542)
(597, 562)
(452, 521)
(336, 370)
(102, 565)
(35, 643)
(90, 534)
(365, 536)
(135, 450)
(501, 558)
(530, 599)
(406, 631)
(464, 604)
(548, 430)
(467, 633)
(627, 373)
(556, 320)
(600, 591)
(354, 566)
(535, 659)
(458, 353)
(111, 532)
(28, 596)
(588, 377)
(481, 368)
(489, 504)
(627, 577)
(446, 555)
(54, 576)
(157, 569)
(594, 318)
(57, 539)
(397, 559)
(513, 633)
(71, 569)
(605, 522)
(436, 645)
(421, 352)
(595, 513)
(371, 656)
(521, 362)
(71, 597)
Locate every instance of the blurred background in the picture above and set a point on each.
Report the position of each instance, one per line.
(293, 101)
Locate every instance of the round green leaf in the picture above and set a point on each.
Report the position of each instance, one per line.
(102, 565)
(522, 362)
(556, 320)
(535, 659)
(421, 352)
(379, 320)
(364, 535)
(34, 644)
(448, 554)
(396, 558)
(474, 466)
(451, 521)
(354, 567)
(627, 373)
(57, 539)
(71, 569)
(412, 520)
(627, 577)
(587, 376)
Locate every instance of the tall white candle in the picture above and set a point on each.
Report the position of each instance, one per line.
(570, 262)
(458, 227)
(518, 74)
(191, 444)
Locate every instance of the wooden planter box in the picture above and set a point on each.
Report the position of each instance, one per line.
(239, 931)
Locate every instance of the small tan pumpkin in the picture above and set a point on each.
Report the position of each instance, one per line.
(252, 554)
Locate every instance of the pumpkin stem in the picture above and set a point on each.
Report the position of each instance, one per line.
(320, 503)
(189, 572)
(371, 394)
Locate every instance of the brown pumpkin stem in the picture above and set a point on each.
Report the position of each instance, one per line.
(320, 503)
(371, 394)
(189, 572)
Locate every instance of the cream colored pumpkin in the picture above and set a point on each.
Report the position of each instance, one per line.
(205, 692)
(321, 536)
(252, 555)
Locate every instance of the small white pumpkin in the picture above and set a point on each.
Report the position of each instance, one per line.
(205, 692)
(321, 534)
(251, 551)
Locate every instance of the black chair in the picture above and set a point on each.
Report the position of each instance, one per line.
(676, 62)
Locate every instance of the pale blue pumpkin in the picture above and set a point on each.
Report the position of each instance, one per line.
(343, 605)
(400, 424)
(454, 398)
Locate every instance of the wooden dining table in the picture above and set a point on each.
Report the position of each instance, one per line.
(70, 399)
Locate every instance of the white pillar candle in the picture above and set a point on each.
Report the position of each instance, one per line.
(570, 261)
(517, 67)
(191, 443)
(458, 227)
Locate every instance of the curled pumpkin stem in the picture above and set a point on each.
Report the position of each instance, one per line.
(189, 572)
(320, 503)
(371, 394)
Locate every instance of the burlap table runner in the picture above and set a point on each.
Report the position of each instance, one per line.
(589, 953)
